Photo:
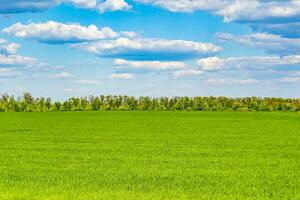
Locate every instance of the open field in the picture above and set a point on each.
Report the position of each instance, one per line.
(149, 155)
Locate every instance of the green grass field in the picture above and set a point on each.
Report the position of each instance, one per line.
(149, 155)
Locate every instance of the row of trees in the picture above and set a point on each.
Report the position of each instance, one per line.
(28, 103)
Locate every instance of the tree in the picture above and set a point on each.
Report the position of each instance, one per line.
(27, 103)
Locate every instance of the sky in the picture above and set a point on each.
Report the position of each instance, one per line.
(66, 48)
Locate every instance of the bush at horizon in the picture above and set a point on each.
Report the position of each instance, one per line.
(28, 103)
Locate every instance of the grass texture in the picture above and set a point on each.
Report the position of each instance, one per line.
(149, 155)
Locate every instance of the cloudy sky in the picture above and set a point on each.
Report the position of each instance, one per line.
(63, 48)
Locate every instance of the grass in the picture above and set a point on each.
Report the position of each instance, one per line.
(149, 155)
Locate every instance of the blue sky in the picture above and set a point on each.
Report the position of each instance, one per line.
(64, 48)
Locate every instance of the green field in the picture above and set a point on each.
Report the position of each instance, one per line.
(149, 155)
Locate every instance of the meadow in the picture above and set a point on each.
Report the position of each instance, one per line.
(149, 155)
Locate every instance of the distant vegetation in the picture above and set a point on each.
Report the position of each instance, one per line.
(28, 103)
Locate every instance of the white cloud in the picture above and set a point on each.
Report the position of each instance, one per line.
(260, 10)
(102, 6)
(16, 61)
(88, 82)
(288, 30)
(59, 33)
(129, 34)
(245, 11)
(211, 63)
(26, 67)
(252, 63)
(126, 76)
(113, 5)
(148, 65)
(150, 49)
(187, 72)
(12, 65)
(273, 44)
(19, 6)
(88, 4)
(62, 75)
(187, 5)
(8, 48)
(213, 81)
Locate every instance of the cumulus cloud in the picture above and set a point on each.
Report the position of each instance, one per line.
(125, 76)
(187, 5)
(225, 81)
(59, 33)
(288, 30)
(150, 49)
(102, 6)
(12, 65)
(210, 64)
(113, 5)
(16, 61)
(89, 4)
(148, 65)
(20, 6)
(8, 47)
(255, 11)
(273, 44)
(243, 11)
(129, 34)
(107, 43)
(250, 63)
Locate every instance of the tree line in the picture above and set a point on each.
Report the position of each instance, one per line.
(28, 103)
